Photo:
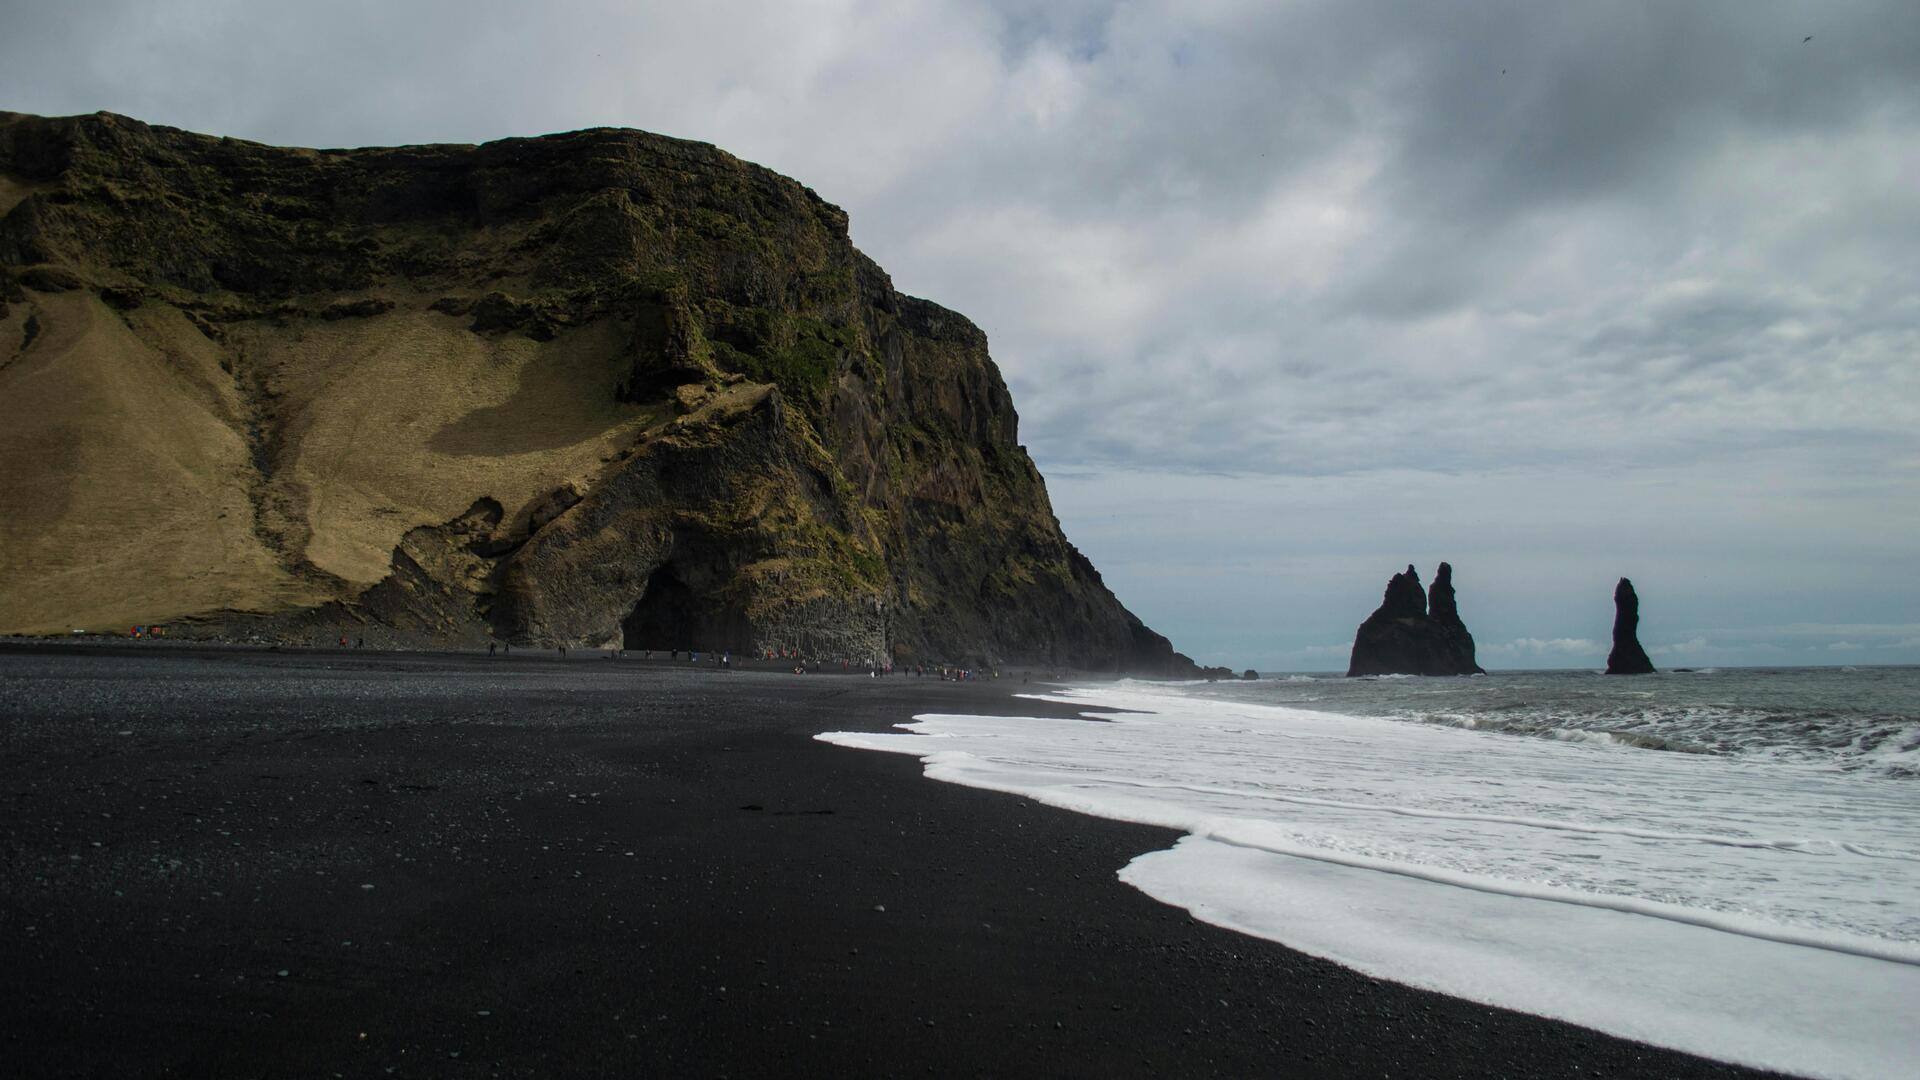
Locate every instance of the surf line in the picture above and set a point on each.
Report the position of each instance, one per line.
(1892, 952)
(1811, 846)
(1792, 847)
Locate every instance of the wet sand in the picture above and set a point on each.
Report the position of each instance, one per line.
(227, 862)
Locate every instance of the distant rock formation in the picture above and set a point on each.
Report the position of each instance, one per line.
(1406, 636)
(1249, 675)
(1627, 657)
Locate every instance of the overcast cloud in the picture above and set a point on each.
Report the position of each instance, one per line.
(1288, 294)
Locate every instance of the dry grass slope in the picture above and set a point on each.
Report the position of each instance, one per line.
(124, 496)
(155, 474)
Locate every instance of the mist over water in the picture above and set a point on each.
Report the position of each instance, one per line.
(1726, 862)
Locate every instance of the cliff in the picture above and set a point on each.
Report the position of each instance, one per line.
(1414, 631)
(1627, 657)
(596, 388)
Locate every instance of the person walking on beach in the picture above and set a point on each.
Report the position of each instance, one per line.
(490, 648)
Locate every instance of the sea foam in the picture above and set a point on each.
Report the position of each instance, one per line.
(1757, 912)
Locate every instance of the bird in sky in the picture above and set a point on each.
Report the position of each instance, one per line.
(1806, 39)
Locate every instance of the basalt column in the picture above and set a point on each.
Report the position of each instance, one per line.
(1627, 657)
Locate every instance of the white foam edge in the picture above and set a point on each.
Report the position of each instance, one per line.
(1739, 999)
(1700, 982)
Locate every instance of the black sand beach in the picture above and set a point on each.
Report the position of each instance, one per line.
(250, 863)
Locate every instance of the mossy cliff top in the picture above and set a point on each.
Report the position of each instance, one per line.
(596, 387)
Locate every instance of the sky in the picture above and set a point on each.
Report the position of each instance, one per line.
(1289, 294)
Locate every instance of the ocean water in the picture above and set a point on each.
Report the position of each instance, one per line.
(1723, 861)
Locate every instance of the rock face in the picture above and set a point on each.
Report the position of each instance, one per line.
(1414, 632)
(598, 388)
(1453, 644)
(1627, 657)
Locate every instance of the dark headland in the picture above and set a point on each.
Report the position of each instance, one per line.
(615, 869)
(593, 389)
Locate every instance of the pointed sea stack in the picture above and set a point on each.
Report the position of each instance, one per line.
(1403, 637)
(1627, 657)
(1451, 640)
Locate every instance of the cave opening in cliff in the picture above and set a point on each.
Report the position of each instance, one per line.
(667, 615)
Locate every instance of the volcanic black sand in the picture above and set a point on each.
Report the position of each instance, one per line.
(250, 863)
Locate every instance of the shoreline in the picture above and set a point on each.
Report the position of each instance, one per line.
(84, 644)
(788, 906)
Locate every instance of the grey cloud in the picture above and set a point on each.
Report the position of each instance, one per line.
(1646, 296)
(1567, 102)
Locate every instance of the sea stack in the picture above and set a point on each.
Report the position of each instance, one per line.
(1452, 641)
(1407, 636)
(1627, 657)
